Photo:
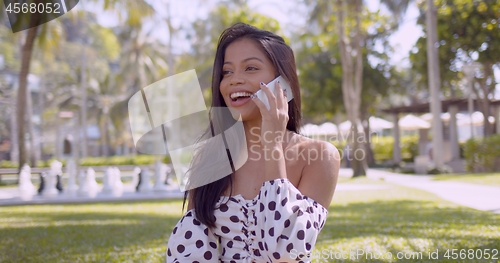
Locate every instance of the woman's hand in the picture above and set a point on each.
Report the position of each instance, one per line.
(273, 131)
(275, 119)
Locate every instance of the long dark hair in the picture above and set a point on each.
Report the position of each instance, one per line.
(281, 55)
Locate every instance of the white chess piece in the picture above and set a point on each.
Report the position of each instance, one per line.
(160, 176)
(108, 181)
(90, 179)
(72, 176)
(26, 187)
(145, 186)
(51, 179)
(83, 190)
(118, 185)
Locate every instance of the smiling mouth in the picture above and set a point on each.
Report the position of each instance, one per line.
(240, 95)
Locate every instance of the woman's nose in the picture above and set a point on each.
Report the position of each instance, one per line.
(237, 79)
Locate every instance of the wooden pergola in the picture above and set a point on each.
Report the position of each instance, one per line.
(452, 106)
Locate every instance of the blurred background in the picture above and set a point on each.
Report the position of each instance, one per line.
(64, 85)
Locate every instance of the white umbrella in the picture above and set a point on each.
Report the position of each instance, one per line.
(309, 129)
(327, 128)
(346, 126)
(377, 124)
(477, 119)
(412, 122)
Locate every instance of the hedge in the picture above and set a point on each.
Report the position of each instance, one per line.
(98, 161)
(483, 154)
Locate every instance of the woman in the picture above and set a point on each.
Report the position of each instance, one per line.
(272, 208)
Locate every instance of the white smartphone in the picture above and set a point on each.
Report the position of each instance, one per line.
(272, 85)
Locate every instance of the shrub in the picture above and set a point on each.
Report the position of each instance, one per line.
(482, 155)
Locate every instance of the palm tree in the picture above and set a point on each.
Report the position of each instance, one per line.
(136, 10)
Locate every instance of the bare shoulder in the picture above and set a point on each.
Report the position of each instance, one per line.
(320, 172)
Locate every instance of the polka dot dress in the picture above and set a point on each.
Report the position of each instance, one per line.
(278, 225)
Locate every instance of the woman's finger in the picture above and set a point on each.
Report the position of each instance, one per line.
(262, 107)
(271, 99)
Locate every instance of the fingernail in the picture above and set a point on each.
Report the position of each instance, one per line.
(253, 96)
(262, 84)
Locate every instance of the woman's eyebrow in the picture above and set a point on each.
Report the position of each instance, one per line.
(245, 60)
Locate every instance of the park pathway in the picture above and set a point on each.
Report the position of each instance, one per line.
(480, 197)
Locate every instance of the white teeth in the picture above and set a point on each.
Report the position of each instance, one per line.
(240, 94)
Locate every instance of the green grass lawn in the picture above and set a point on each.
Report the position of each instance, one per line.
(492, 179)
(395, 219)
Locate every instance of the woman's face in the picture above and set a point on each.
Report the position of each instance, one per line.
(245, 67)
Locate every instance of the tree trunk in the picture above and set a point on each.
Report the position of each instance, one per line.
(31, 129)
(352, 81)
(367, 141)
(23, 86)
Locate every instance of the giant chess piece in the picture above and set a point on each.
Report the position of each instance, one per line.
(160, 174)
(139, 179)
(59, 186)
(117, 185)
(135, 176)
(108, 181)
(72, 188)
(168, 177)
(55, 169)
(92, 185)
(144, 182)
(26, 187)
(83, 190)
(42, 182)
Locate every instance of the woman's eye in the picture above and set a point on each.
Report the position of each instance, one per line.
(225, 72)
(252, 68)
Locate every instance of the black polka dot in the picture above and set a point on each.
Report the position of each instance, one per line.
(205, 231)
(262, 233)
(265, 245)
(196, 261)
(308, 246)
(271, 182)
(262, 207)
(236, 256)
(287, 223)
(238, 238)
(284, 201)
(315, 224)
(299, 197)
(278, 190)
(199, 244)
(175, 230)
(289, 247)
(207, 255)
(234, 219)
(265, 193)
(295, 208)
(271, 231)
(277, 215)
(188, 235)
(299, 213)
(276, 255)
(300, 234)
(272, 205)
(223, 208)
(168, 252)
(213, 245)
(180, 248)
(225, 229)
(308, 225)
(230, 244)
(261, 246)
(256, 252)
(196, 222)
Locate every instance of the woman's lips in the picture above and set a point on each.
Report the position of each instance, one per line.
(240, 102)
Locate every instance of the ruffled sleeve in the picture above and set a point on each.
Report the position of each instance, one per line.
(191, 241)
(289, 222)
